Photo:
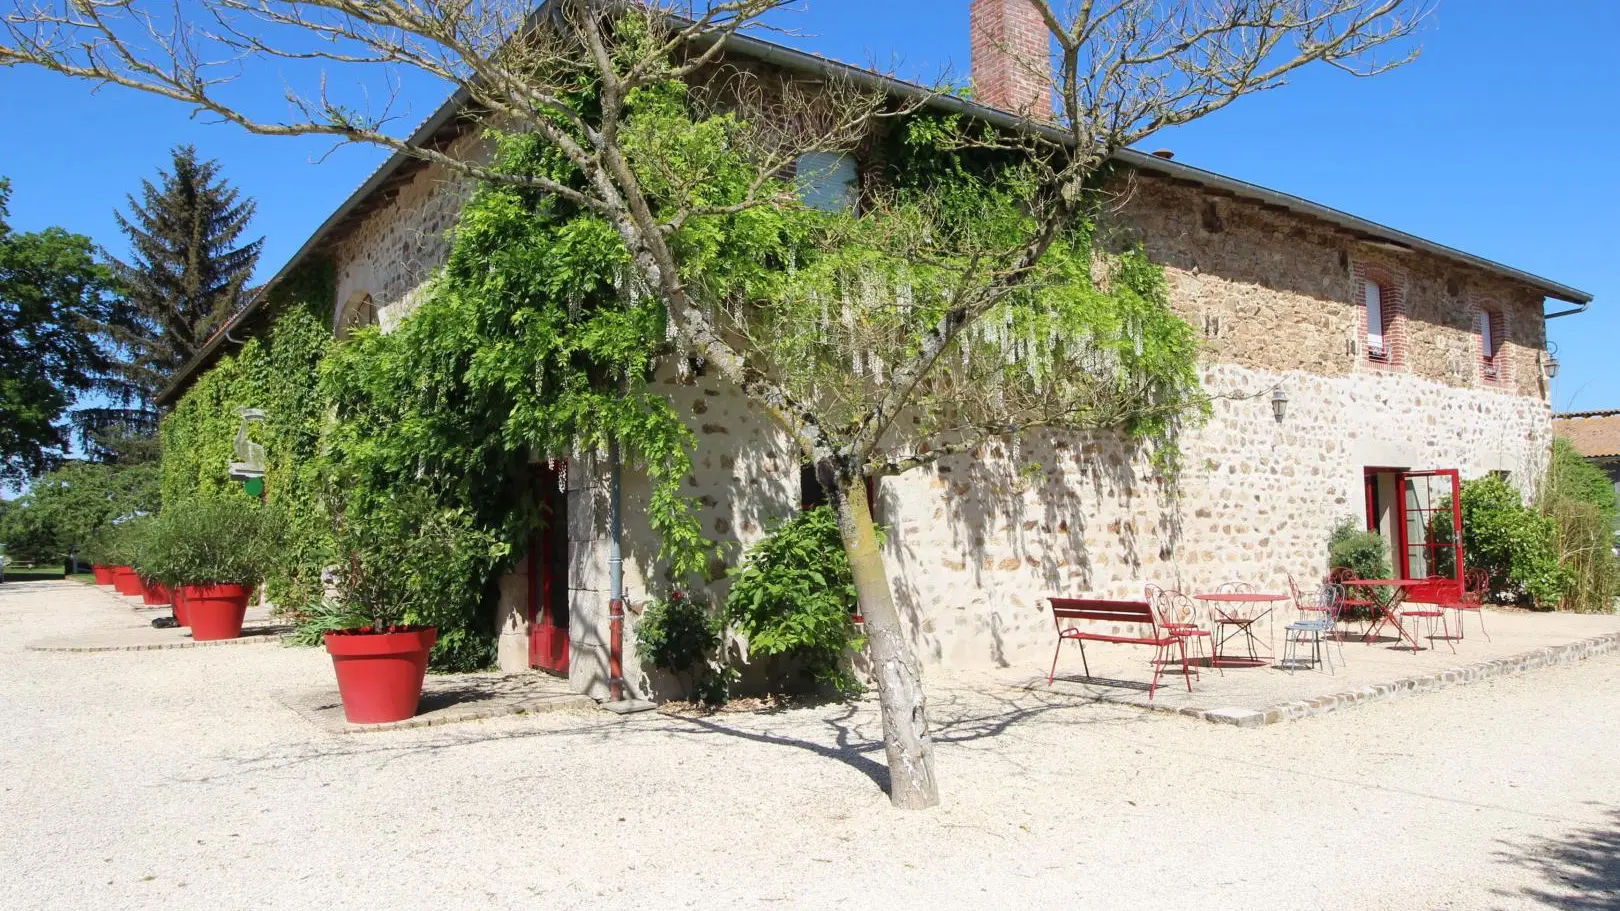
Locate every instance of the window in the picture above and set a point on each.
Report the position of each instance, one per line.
(828, 181)
(1373, 298)
(1381, 292)
(1489, 324)
(358, 312)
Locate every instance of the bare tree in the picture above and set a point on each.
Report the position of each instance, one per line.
(879, 386)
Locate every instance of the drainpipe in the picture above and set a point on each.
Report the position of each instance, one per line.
(1578, 308)
(615, 577)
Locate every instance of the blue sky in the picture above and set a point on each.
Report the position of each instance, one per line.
(1499, 140)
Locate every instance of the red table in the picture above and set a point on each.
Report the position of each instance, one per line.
(1389, 609)
(1242, 620)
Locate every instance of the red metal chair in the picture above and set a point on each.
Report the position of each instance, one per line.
(1477, 584)
(1178, 615)
(1352, 602)
(1427, 602)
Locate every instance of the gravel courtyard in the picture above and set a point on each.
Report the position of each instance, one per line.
(172, 779)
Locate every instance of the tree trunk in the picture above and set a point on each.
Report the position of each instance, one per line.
(905, 717)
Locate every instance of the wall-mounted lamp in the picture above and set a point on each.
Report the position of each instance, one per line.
(1279, 404)
(1550, 365)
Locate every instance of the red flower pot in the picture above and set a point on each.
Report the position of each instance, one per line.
(215, 611)
(154, 594)
(380, 674)
(103, 574)
(125, 581)
(181, 615)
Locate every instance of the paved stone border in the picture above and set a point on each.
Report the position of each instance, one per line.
(322, 708)
(1549, 656)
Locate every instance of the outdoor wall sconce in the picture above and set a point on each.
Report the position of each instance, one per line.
(1550, 365)
(1279, 404)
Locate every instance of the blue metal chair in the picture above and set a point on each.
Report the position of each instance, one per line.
(1318, 616)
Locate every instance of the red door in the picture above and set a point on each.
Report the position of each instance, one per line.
(1426, 512)
(548, 576)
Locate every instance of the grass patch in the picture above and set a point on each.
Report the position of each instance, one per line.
(17, 574)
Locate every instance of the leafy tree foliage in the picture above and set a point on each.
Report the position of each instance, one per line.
(65, 508)
(186, 275)
(52, 292)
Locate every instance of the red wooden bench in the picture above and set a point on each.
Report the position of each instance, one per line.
(1135, 613)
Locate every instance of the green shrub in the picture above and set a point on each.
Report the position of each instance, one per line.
(679, 635)
(1579, 498)
(794, 596)
(98, 547)
(1514, 543)
(1571, 477)
(214, 540)
(1364, 552)
(126, 539)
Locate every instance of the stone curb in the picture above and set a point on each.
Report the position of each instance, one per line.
(1549, 656)
(332, 722)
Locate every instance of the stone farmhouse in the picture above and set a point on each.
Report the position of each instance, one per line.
(1347, 359)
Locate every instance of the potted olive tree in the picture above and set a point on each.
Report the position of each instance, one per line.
(97, 550)
(212, 553)
(394, 558)
(121, 546)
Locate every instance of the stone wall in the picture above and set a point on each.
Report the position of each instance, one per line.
(975, 546)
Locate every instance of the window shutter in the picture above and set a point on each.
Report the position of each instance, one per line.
(1375, 318)
(827, 181)
(1487, 344)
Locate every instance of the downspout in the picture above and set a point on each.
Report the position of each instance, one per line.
(615, 575)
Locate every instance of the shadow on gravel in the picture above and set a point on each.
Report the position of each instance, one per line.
(1581, 868)
(849, 733)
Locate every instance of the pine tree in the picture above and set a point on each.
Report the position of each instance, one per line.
(185, 277)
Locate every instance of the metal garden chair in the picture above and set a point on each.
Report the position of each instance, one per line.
(1477, 584)
(1178, 615)
(1319, 616)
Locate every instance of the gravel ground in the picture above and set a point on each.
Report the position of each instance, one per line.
(171, 779)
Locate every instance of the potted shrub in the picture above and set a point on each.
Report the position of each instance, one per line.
(212, 553)
(154, 593)
(393, 559)
(97, 552)
(121, 555)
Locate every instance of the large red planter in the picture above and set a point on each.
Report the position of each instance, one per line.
(154, 594)
(215, 611)
(181, 615)
(125, 581)
(103, 574)
(380, 674)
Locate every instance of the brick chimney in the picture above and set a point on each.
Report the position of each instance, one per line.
(1012, 57)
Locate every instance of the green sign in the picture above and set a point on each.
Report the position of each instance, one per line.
(253, 487)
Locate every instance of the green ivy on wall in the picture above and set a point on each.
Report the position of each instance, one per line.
(278, 374)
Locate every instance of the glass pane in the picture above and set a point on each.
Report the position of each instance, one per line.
(1375, 317)
(1417, 528)
(827, 181)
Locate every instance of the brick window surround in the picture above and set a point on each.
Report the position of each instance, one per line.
(1391, 286)
(1489, 324)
